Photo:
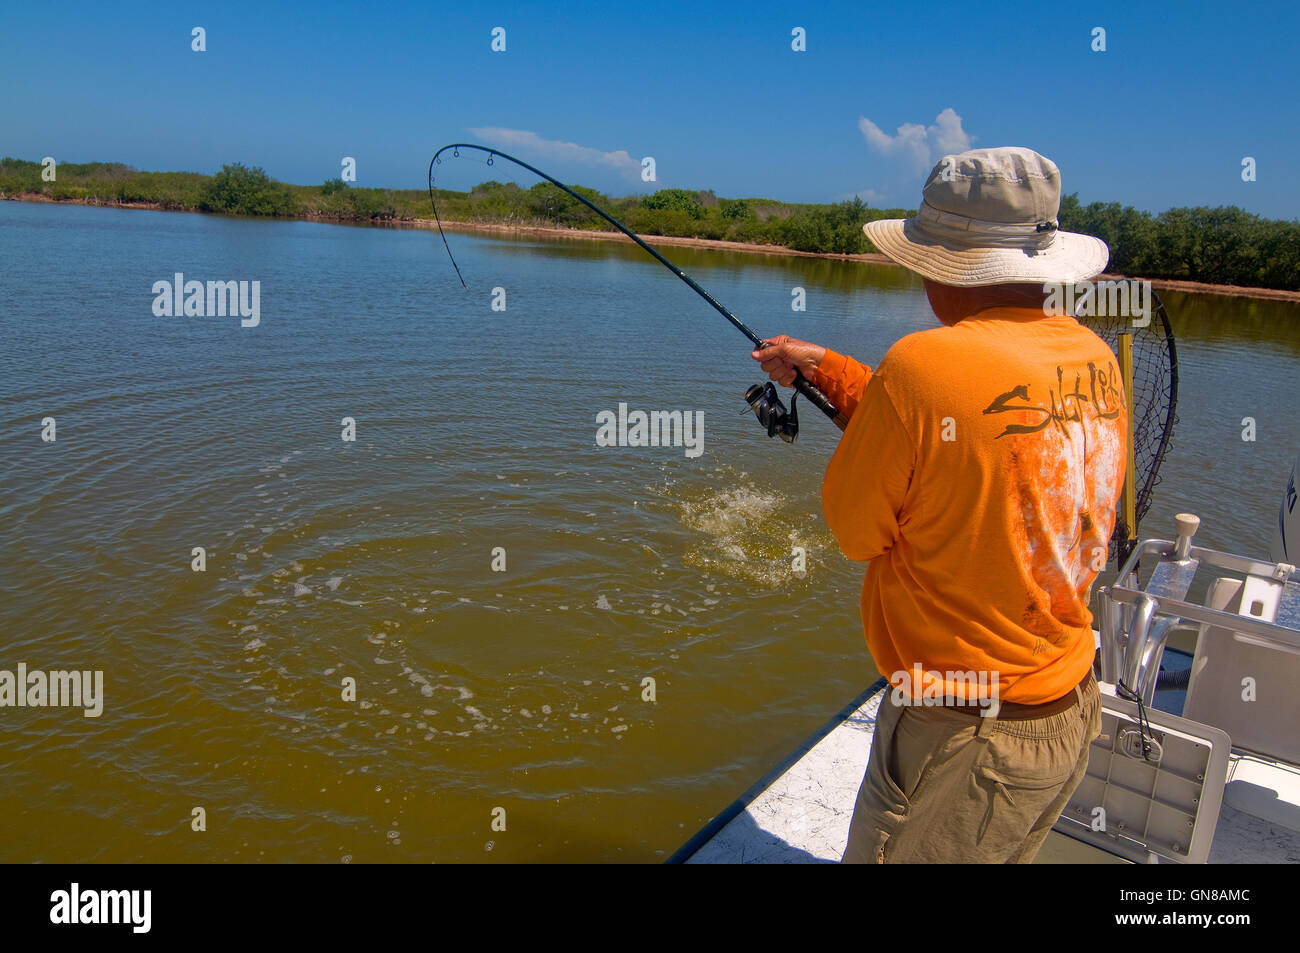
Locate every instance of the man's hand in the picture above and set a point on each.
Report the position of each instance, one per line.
(785, 354)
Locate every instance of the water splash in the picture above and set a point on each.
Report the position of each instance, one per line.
(744, 531)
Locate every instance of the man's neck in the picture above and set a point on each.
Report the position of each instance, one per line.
(952, 304)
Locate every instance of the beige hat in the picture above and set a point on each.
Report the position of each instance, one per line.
(988, 216)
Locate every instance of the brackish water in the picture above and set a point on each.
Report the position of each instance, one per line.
(373, 559)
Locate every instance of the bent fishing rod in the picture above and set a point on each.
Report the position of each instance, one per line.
(763, 399)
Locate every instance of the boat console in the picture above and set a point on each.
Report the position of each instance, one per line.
(1161, 784)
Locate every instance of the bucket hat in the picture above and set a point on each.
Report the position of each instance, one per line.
(989, 216)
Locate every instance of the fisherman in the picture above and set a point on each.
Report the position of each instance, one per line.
(979, 475)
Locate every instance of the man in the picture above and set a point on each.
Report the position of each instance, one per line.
(979, 474)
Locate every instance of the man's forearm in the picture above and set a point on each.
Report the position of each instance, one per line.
(842, 379)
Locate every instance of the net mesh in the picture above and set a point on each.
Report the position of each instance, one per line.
(1155, 403)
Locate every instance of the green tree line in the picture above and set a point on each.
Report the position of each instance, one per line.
(1224, 245)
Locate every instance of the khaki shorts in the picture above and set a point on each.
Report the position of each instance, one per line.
(943, 786)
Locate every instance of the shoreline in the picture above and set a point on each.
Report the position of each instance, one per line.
(871, 258)
(552, 231)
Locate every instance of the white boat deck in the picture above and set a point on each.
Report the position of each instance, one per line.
(802, 816)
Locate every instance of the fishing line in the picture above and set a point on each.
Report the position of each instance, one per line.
(765, 403)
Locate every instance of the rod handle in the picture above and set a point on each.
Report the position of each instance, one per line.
(819, 400)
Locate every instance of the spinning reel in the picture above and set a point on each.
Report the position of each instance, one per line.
(771, 412)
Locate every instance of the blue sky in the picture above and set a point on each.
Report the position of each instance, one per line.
(713, 92)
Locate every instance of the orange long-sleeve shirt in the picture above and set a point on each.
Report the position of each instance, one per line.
(979, 474)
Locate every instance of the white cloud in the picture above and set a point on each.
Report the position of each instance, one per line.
(918, 146)
(533, 144)
(947, 135)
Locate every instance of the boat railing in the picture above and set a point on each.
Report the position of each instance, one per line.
(1136, 622)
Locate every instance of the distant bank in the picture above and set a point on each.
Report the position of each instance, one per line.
(875, 258)
(1218, 251)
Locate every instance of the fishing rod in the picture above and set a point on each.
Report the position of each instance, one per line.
(763, 399)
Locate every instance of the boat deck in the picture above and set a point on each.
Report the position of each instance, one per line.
(800, 812)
